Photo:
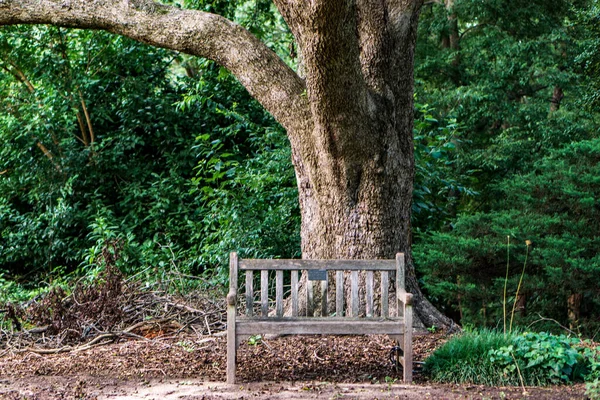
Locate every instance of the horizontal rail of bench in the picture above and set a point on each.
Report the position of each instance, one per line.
(320, 326)
(317, 320)
(331, 265)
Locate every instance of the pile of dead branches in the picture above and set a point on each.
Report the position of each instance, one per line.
(106, 310)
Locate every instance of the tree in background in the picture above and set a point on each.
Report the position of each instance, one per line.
(348, 114)
(589, 59)
(555, 206)
(519, 82)
(94, 151)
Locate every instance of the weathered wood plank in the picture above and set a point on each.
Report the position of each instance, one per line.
(308, 320)
(231, 323)
(294, 293)
(400, 279)
(279, 293)
(264, 293)
(339, 293)
(310, 311)
(385, 310)
(354, 301)
(369, 290)
(331, 265)
(324, 311)
(315, 326)
(407, 345)
(249, 293)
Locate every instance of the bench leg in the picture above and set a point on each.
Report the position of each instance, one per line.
(408, 349)
(232, 345)
(231, 360)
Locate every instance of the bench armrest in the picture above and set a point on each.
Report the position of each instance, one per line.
(231, 298)
(405, 297)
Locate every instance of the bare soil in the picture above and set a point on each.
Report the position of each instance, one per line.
(188, 366)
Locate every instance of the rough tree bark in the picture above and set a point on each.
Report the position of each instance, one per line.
(349, 121)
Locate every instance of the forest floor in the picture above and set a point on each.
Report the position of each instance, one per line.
(121, 340)
(193, 367)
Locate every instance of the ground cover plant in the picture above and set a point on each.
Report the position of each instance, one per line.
(494, 358)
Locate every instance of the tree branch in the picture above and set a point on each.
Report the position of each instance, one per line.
(268, 79)
(18, 75)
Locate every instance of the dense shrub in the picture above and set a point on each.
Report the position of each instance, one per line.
(496, 359)
(554, 206)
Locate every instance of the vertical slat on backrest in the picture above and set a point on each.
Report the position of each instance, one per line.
(369, 286)
(264, 292)
(400, 280)
(354, 293)
(310, 311)
(279, 293)
(249, 293)
(339, 293)
(385, 310)
(324, 311)
(294, 293)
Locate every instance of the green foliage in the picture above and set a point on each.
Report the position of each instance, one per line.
(554, 206)
(589, 58)
(499, 82)
(542, 359)
(495, 359)
(437, 188)
(251, 205)
(125, 182)
(530, 155)
(593, 377)
(50, 197)
(464, 358)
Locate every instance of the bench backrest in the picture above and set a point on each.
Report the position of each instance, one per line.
(319, 271)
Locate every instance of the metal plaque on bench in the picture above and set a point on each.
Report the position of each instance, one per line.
(317, 275)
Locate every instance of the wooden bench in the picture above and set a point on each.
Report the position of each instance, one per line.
(240, 327)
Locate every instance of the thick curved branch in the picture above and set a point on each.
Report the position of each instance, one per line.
(268, 79)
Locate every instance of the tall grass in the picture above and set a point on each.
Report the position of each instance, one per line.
(465, 359)
(512, 314)
(506, 279)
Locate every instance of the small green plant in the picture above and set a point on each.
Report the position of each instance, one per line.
(592, 378)
(254, 340)
(390, 381)
(187, 346)
(432, 329)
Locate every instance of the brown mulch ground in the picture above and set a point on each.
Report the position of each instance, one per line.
(327, 358)
(193, 367)
(119, 340)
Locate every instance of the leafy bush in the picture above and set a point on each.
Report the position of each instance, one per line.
(593, 377)
(540, 358)
(493, 358)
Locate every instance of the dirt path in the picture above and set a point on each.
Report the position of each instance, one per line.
(38, 388)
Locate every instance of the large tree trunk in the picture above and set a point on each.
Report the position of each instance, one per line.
(349, 118)
(355, 166)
